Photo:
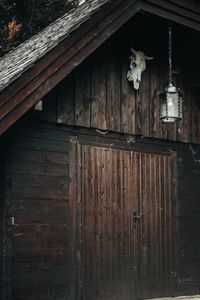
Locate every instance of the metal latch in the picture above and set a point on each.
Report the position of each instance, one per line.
(136, 217)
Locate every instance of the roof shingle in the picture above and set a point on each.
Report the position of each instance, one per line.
(13, 64)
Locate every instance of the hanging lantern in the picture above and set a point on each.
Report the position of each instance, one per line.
(171, 99)
(170, 104)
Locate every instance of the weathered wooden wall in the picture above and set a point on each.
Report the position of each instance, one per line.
(42, 193)
(97, 94)
(39, 185)
(2, 221)
(39, 195)
(189, 220)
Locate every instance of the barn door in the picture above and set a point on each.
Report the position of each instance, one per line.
(123, 212)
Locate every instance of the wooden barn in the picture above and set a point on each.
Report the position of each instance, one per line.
(99, 198)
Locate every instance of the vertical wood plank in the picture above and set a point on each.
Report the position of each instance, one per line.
(72, 213)
(65, 101)
(3, 227)
(80, 206)
(129, 209)
(157, 85)
(91, 224)
(113, 90)
(82, 94)
(160, 234)
(165, 230)
(196, 120)
(50, 107)
(175, 220)
(134, 279)
(156, 221)
(143, 105)
(98, 91)
(170, 228)
(128, 102)
(185, 134)
(183, 128)
(144, 220)
(96, 218)
(8, 243)
(113, 154)
(123, 200)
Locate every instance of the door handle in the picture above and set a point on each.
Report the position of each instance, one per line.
(136, 217)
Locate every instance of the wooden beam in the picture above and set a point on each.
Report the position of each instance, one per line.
(189, 5)
(172, 7)
(169, 15)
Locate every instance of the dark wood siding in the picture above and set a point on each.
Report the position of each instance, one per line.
(97, 94)
(69, 191)
(46, 202)
(189, 219)
(39, 196)
(2, 222)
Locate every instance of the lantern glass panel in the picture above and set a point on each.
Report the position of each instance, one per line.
(163, 106)
(173, 105)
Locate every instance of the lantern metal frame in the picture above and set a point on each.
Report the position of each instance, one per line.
(170, 101)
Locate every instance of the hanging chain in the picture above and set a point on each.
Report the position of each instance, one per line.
(170, 55)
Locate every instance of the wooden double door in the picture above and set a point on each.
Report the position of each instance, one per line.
(122, 203)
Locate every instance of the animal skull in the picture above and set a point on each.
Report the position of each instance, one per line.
(137, 66)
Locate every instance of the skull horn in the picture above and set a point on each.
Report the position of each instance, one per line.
(133, 51)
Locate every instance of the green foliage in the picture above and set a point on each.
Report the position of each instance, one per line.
(20, 19)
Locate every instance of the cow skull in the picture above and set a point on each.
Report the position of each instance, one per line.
(137, 66)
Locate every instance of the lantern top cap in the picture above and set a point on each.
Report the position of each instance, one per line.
(171, 89)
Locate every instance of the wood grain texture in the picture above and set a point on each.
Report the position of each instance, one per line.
(112, 206)
(74, 234)
(128, 102)
(2, 221)
(98, 92)
(101, 97)
(40, 207)
(82, 95)
(34, 84)
(65, 102)
(113, 88)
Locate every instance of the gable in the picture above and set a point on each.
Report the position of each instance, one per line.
(48, 68)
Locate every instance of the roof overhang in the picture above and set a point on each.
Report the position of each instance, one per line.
(22, 94)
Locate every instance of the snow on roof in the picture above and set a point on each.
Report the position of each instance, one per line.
(13, 64)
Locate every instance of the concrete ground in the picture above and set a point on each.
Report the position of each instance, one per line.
(194, 297)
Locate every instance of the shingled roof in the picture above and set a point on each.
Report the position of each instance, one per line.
(30, 71)
(23, 57)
